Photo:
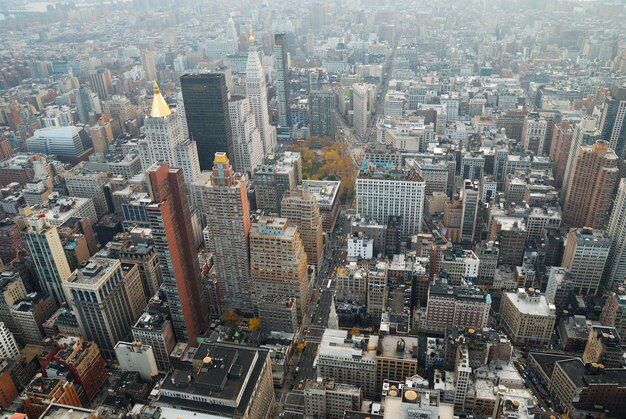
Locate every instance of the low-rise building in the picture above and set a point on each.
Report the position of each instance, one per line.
(328, 399)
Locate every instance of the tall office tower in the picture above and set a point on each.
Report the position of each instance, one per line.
(228, 221)
(46, 250)
(147, 62)
(534, 133)
(616, 264)
(281, 65)
(377, 292)
(100, 80)
(84, 183)
(11, 290)
(30, 313)
(300, 208)
(471, 200)
(562, 135)
(8, 345)
(205, 97)
(318, 15)
(107, 298)
(170, 220)
(589, 191)
(11, 241)
(180, 108)
(585, 133)
(614, 311)
(462, 371)
(585, 256)
(165, 140)
(144, 256)
(280, 173)
(612, 124)
(322, 113)
(246, 137)
(278, 262)
(382, 192)
(121, 108)
(361, 108)
(256, 90)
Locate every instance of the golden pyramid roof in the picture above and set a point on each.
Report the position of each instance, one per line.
(159, 105)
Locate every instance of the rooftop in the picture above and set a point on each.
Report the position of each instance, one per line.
(325, 191)
(341, 344)
(95, 271)
(531, 302)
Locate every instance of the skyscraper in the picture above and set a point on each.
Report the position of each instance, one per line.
(470, 197)
(278, 262)
(589, 191)
(100, 80)
(612, 120)
(256, 90)
(281, 65)
(585, 133)
(300, 208)
(107, 298)
(228, 221)
(616, 265)
(585, 256)
(322, 113)
(360, 105)
(170, 220)
(246, 138)
(165, 140)
(147, 61)
(205, 97)
(46, 250)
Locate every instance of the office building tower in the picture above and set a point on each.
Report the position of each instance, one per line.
(169, 218)
(589, 191)
(300, 208)
(458, 306)
(470, 197)
(278, 314)
(46, 250)
(541, 218)
(11, 241)
(281, 65)
(278, 263)
(585, 256)
(322, 114)
(185, 392)
(527, 317)
(107, 298)
(562, 135)
(614, 311)
(228, 222)
(534, 133)
(604, 347)
(166, 142)
(85, 183)
(462, 371)
(85, 105)
(246, 137)
(120, 108)
(11, 290)
(137, 357)
(8, 345)
(30, 313)
(382, 192)
(560, 288)
(256, 90)
(361, 97)
(100, 81)
(377, 292)
(585, 133)
(611, 126)
(205, 97)
(279, 174)
(328, 399)
(70, 144)
(180, 108)
(155, 329)
(616, 264)
(459, 265)
(147, 62)
(395, 360)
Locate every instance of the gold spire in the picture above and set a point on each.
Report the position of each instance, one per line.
(250, 34)
(159, 105)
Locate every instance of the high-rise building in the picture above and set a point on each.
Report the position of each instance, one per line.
(11, 241)
(331, 400)
(534, 133)
(604, 347)
(147, 62)
(377, 291)
(8, 345)
(85, 183)
(166, 142)
(281, 65)
(300, 208)
(228, 222)
(590, 188)
(279, 174)
(100, 80)
(246, 137)
(585, 133)
(585, 256)
(322, 113)
(470, 197)
(616, 264)
(614, 311)
(138, 357)
(459, 306)
(43, 391)
(361, 106)
(462, 371)
(382, 192)
(612, 124)
(278, 262)
(30, 313)
(527, 317)
(11, 290)
(169, 218)
(205, 98)
(562, 135)
(256, 90)
(46, 250)
(107, 297)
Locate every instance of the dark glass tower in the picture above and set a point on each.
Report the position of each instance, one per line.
(206, 110)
